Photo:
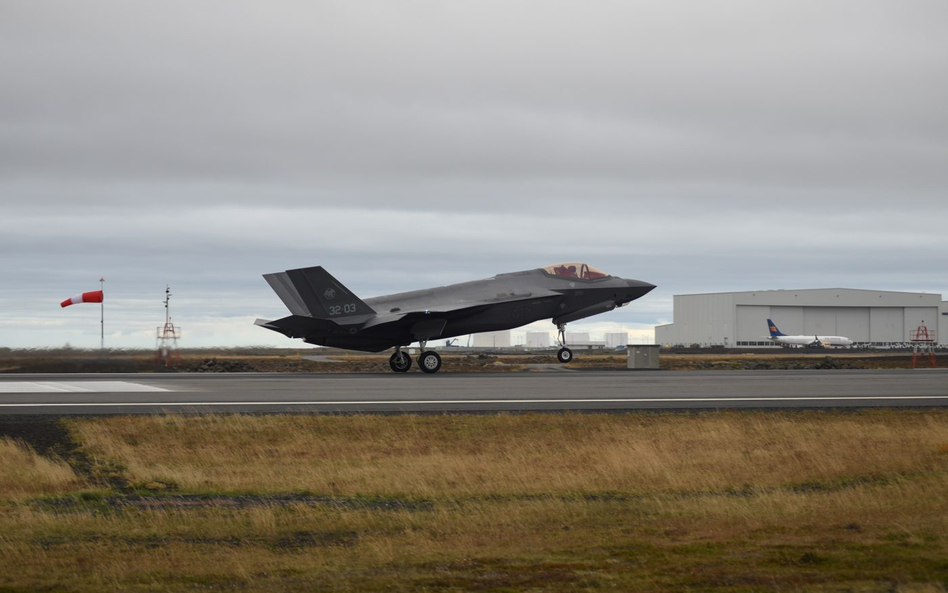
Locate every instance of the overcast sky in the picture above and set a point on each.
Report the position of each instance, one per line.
(700, 146)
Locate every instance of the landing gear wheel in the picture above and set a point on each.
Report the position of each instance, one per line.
(564, 355)
(429, 362)
(400, 362)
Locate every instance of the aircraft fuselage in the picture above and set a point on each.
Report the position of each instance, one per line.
(505, 301)
(829, 341)
(327, 314)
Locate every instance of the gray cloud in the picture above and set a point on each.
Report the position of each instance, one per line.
(701, 146)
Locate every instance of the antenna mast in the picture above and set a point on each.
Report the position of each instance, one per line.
(167, 346)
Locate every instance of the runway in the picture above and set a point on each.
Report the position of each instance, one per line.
(59, 394)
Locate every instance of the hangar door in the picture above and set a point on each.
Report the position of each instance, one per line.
(916, 316)
(819, 321)
(752, 323)
(788, 319)
(885, 324)
(853, 323)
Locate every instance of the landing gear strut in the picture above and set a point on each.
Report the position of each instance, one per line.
(399, 362)
(429, 361)
(564, 354)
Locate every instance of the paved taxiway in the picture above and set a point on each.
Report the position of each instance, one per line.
(475, 392)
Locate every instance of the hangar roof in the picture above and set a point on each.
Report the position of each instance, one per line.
(779, 290)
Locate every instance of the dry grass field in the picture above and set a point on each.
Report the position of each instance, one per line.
(333, 361)
(25, 474)
(735, 501)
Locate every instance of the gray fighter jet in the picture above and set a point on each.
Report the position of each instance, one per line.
(325, 312)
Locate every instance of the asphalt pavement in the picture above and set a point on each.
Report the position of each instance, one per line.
(61, 394)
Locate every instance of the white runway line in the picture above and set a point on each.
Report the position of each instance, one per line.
(75, 387)
(484, 401)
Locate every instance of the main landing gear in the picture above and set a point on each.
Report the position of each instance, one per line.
(400, 362)
(429, 361)
(564, 354)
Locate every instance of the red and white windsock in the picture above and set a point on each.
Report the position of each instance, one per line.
(95, 296)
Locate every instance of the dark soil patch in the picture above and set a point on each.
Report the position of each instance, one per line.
(50, 438)
(214, 365)
(786, 362)
(78, 365)
(292, 541)
(299, 540)
(47, 437)
(504, 575)
(191, 501)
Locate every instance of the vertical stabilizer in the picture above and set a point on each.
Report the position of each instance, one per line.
(313, 292)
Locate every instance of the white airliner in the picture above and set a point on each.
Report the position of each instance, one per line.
(784, 340)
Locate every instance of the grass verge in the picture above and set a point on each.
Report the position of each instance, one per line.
(726, 501)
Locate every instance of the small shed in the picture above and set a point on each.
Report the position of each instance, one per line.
(643, 357)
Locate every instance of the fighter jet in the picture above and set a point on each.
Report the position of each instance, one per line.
(326, 313)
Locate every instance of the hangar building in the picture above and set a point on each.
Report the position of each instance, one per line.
(865, 316)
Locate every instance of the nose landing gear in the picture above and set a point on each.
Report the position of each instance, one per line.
(564, 354)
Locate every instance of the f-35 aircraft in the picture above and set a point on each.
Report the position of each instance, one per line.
(325, 312)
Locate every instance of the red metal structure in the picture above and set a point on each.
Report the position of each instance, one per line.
(923, 345)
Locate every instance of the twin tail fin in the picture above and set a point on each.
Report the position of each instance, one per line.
(313, 292)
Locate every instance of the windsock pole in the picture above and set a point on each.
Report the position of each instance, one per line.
(102, 316)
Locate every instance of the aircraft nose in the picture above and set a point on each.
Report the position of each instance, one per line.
(637, 289)
(644, 286)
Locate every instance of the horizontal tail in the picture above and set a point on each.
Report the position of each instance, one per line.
(774, 332)
(296, 326)
(313, 292)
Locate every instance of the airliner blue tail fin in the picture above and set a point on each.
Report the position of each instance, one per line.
(774, 332)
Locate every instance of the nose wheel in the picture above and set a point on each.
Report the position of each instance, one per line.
(564, 354)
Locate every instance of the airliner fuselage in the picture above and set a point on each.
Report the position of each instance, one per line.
(779, 337)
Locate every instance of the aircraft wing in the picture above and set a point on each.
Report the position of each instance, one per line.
(419, 314)
(454, 306)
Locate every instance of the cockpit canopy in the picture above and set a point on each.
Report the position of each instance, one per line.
(575, 270)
